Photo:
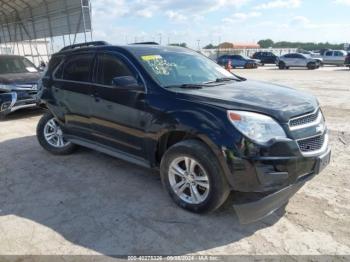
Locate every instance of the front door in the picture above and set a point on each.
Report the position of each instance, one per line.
(116, 115)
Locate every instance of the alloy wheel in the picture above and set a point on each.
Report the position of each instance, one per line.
(53, 134)
(189, 180)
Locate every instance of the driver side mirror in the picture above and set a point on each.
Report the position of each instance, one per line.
(126, 82)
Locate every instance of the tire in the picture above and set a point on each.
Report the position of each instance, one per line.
(311, 66)
(281, 65)
(65, 148)
(217, 190)
(2, 116)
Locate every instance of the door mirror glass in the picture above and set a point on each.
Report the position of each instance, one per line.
(126, 82)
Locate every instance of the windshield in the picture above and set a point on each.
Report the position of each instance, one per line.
(16, 64)
(176, 69)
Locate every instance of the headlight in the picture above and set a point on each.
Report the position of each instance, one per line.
(6, 87)
(258, 127)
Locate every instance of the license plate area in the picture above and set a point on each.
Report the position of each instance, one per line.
(323, 162)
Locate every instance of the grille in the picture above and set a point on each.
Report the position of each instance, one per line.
(311, 144)
(303, 120)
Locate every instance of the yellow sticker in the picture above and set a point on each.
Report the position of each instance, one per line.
(150, 57)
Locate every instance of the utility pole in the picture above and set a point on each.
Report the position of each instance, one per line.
(160, 38)
(198, 42)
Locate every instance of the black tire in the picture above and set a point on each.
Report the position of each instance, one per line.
(2, 116)
(66, 150)
(219, 188)
(311, 66)
(281, 65)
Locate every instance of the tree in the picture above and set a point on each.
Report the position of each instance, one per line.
(266, 43)
(210, 46)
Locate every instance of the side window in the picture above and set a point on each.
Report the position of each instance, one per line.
(54, 62)
(338, 53)
(288, 56)
(110, 67)
(329, 53)
(78, 68)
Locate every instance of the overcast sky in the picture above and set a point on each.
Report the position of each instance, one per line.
(121, 21)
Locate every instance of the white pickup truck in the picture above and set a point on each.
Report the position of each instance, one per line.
(333, 57)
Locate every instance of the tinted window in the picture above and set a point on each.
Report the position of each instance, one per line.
(78, 68)
(338, 53)
(110, 67)
(299, 56)
(289, 56)
(54, 62)
(329, 53)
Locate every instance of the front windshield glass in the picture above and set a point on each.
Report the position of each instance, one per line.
(176, 69)
(16, 64)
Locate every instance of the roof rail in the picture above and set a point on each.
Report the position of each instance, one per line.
(146, 43)
(87, 44)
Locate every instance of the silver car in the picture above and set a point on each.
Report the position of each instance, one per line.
(334, 57)
(298, 60)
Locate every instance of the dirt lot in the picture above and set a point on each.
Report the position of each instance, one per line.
(90, 203)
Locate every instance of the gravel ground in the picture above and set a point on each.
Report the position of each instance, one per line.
(90, 203)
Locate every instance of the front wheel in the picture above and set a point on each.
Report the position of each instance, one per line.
(192, 176)
(51, 137)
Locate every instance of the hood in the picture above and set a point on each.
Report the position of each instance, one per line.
(277, 101)
(19, 78)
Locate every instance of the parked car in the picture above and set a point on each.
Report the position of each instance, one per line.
(334, 57)
(347, 60)
(265, 57)
(238, 61)
(297, 60)
(208, 131)
(18, 80)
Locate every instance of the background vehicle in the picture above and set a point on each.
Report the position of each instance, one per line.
(265, 57)
(334, 57)
(297, 60)
(18, 77)
(208, 131)
(347, 60)
(238, 61)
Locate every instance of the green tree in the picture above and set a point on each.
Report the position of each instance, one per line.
(210, 46)
(266, 43)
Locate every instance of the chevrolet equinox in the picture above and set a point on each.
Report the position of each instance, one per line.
(208, 131)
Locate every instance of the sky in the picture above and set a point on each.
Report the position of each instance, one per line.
(200, 22)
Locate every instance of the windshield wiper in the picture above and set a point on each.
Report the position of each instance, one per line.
(222, 79)
(186, 86)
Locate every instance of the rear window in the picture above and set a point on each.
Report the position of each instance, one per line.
(78, 68)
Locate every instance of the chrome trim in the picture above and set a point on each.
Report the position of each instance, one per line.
(13, 99)
(316, 152)
(314, 123)
(15, 108)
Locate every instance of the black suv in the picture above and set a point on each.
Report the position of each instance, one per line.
(18, 84)
(208, 131)
(265, 57)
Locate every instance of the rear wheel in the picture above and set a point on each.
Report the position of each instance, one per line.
(281, 65)
(193, 178)
(311, 66)
(51, 137)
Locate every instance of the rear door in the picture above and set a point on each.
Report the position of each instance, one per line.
(117, 112)
(73, 93)
(328, 57)
(339, 57)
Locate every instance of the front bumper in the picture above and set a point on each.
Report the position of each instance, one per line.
(13, 101)
(259, 206)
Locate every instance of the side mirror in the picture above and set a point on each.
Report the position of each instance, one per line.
(126, 82)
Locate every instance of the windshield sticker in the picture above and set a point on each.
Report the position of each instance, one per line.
(150, 57)
(158, 64)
